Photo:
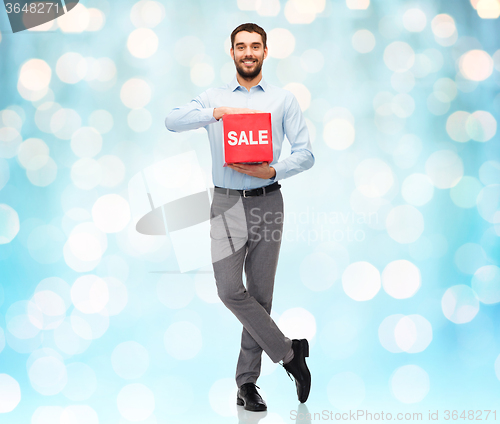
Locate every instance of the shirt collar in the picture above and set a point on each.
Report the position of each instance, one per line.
(234, 84)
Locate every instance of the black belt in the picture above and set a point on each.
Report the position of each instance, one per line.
(249, 193)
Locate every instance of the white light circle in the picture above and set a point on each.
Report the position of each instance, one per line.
(405, 224)
(298, 323)
(142, 43)
(135, 93)
(9, 224)
(112, 170)
(469, 257)
(10, 393)
(465, 193)
(35, 74)
(86, 142)
(401, 279)
(339, 134)
(136, 402)
(147, 14)
(46, 310)
(410, 384)
(460, 304)
(476, 65)
(486, 284)
(386, 334)
(43, 175)
(101, 120)
(89, 326)
(68, 341)
(221, 395)
(64, 123)
(33, 153)
(48, 375)
(82, 382)
(111, 213)
(444, 168)
(413, 333)
(373, 177)
(10, 140)
(399, 56)
(488, 203)
(71, 67)
(489, 172)
(79, 414)
(118, 295)
(139, 120)
(89, 294)
(4, 173)
(281, 43)
(417, 189)
(86, 173)
(363, 41)
(481, 126)
(414, 20)
(86, 242)
(456, 126)
(403, 105)
(47, 415)
(361, 281)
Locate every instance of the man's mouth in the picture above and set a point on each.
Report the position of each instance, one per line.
(249, 62)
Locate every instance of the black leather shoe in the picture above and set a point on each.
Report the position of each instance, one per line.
(249, 398)
(298, 368)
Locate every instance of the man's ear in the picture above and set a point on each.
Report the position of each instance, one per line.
(265, 52)
(231, 52)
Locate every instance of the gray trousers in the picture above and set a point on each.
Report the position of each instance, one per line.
(246, 232)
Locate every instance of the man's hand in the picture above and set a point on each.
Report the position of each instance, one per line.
(223, 110)
(261, 170)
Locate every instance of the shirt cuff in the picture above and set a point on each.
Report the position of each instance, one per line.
(280, 169)
(210, 115)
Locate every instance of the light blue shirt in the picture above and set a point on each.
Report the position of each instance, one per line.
(286, 118)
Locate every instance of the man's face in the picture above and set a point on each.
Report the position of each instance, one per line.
(248, 54)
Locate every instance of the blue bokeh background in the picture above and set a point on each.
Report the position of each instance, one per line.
(389, 262)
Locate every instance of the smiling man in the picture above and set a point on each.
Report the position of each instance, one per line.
(245, 197)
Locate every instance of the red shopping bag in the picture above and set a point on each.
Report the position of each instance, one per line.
(248, 138)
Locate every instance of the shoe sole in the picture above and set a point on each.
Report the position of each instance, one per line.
(304, 346)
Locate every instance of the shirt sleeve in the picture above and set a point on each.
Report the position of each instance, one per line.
(192, 116)
(296, 131)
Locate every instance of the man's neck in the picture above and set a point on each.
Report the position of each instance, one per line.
(248, 84)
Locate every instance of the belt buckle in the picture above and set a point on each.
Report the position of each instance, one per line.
(244, 193)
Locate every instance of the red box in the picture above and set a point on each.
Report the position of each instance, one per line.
(248, 138)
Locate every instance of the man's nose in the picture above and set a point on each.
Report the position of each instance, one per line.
(248, 52)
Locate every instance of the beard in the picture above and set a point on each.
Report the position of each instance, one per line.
(252, 72)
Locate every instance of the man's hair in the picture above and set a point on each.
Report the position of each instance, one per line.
(249, 28)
